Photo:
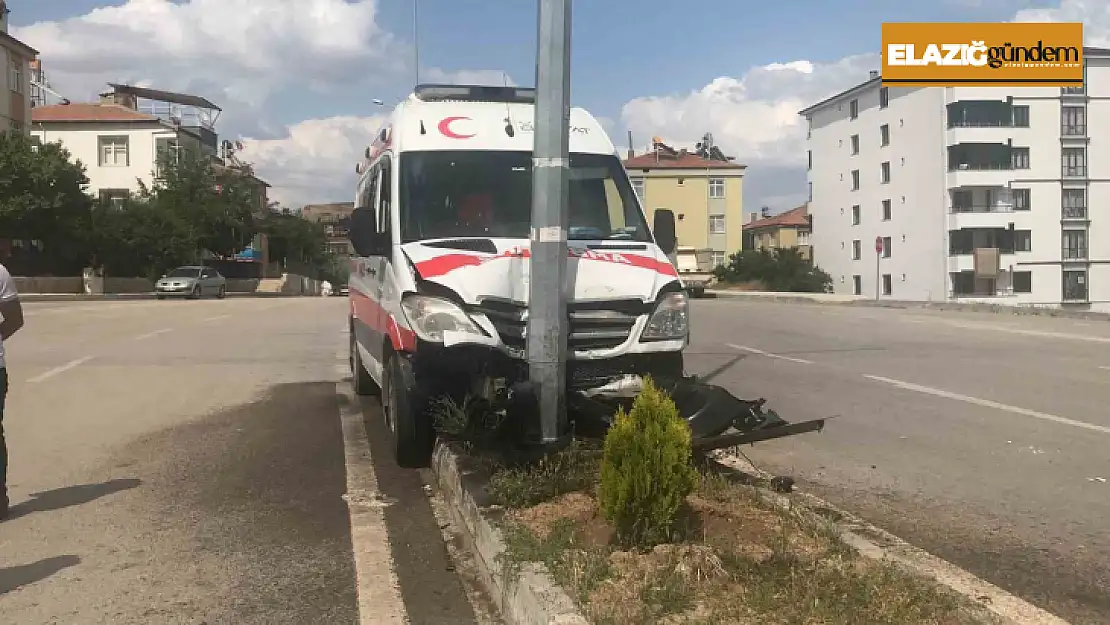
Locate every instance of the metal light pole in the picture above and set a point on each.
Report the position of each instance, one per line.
(547, 308)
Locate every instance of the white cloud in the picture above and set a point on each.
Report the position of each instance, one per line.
(244, 49)
(314, 161)
(755, 117)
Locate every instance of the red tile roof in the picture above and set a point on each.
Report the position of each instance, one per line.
(88, 113)
(680, 161)
(795, 217)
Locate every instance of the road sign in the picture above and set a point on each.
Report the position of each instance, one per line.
(878, 245)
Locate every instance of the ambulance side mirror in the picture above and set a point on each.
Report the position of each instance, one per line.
(664, 230)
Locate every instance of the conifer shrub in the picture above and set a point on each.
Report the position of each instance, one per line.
(646, 470)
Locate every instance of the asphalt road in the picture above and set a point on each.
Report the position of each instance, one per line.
(979, 437)
(184, 462)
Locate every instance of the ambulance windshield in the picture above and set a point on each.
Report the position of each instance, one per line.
(450, 194)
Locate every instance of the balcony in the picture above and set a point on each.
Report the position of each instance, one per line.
(984, 164)
(984, 121)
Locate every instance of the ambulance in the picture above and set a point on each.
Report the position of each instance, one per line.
(439, 283)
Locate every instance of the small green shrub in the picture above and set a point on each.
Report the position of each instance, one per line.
(646, 472)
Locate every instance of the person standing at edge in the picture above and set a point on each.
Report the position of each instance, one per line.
(12, 312)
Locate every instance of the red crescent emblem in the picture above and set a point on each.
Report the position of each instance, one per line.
(445, 128)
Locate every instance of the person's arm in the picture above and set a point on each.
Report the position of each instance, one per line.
(10, 308)
(12, 311)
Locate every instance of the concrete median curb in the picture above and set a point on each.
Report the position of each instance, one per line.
(529, 598)
(824, 300)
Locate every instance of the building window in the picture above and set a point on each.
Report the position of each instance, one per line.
(1023, 281)
(803, 237)
(886, 210)
(809, 159)
(1019, 158)
(1075, 286)
(1074, 162)
(884, 135)
(113, 152)
(811, 192)
(1021, 199)
(854, 141)
(855, 180)
(1074, 203)
(884, 175)
(857, 285)
(857, 249)
(855, 215)
(716, 224)
(638, 187)
(884, 97)
(886, 247)
(1021, 116)
(716, 188)
(853, 109)
(888, 284)
(1073, 121)
(718, 258)
(1075, 245)
(15, 74)
(1023, 241)
(115, 197)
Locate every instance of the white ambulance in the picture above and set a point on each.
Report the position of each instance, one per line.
(439, 286)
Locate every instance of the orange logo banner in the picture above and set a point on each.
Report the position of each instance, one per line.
(1009, 54)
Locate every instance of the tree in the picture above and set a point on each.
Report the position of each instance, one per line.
(776, 269)
(218, 205)
(42, 197)
(293, 238)
(141, 238)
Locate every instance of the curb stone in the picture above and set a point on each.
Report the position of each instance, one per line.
(533, 598)
(878, 544)
(798, 298)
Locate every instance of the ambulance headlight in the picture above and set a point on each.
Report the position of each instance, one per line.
(430, 317)
(670, 320)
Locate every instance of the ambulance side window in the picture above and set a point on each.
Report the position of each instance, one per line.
(369, 190)
(385, 196)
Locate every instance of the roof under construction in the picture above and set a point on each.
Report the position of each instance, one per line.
(183, 99)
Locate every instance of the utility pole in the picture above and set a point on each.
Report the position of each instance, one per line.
(547, 307)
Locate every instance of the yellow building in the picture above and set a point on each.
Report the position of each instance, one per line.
(705, 195)
(789, 229)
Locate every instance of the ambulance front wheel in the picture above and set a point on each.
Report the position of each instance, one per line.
(406, 414)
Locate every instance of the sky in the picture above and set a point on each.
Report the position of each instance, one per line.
(296, 79)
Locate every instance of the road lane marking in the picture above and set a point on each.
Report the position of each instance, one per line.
(1104, 367)
(148, 335)
(1012, 330)
(760, 352)
(986, 403)
(46, 375)
(216, 318)
(379, 594)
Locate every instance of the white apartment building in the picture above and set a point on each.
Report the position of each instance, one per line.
(971, 193)
(15, 90)
(118, 143)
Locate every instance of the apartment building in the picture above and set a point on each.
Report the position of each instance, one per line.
(15, 105)
(120, 139)
(791, 228)
(965, 193)
(706, 195)
(336, 219)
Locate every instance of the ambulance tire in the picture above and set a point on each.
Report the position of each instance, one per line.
(361, 380)
(409, 422)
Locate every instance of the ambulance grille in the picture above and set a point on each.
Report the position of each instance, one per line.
(591, 326)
